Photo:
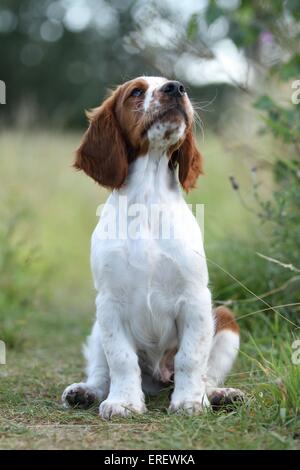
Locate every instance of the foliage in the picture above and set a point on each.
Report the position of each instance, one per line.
(19, 281)
(249, 24)
(280, 214)
(282, 122)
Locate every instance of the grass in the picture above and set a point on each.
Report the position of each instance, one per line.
(46, 311)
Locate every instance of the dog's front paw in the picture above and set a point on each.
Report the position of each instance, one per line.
(226, 398)
(79, 395)
(190, 406)
(110, 408)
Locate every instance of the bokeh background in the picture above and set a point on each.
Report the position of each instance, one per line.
(240, 62)
(59, 57)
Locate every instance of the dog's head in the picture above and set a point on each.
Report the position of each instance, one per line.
(144, 114)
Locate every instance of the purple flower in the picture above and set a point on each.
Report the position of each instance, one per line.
(266, 37)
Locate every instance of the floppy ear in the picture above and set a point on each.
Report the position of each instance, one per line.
(102, 154)
(189, 160)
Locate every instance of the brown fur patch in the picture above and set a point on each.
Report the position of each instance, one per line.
(113, 139)
(225, 320)
(166, 366)
(102, 154)
(189, 159)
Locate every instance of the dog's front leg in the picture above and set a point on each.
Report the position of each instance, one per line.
(195, 330)
(125, 394)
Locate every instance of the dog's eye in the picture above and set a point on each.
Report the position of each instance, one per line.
(137, 92)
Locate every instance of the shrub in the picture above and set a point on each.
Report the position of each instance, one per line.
(20, 279)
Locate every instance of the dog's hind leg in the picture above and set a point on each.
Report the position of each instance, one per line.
(223, 354)
(96, 386)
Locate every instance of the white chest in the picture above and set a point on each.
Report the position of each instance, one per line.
(147, 253)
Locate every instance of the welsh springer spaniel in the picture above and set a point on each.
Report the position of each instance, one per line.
(155, 324)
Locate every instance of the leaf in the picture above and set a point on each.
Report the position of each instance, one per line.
(284, 169)
(192, 27)
(213, 12)
(293, 7)
(290, 69)
(264, 103)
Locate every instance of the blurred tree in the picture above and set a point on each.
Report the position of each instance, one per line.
(58, 57)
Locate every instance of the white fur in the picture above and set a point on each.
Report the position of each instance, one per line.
(152, 293)
(224, 350)
(153, 83)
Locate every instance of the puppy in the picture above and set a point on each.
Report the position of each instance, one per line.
(154, 323)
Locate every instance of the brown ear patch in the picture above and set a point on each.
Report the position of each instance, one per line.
(225, 320)
(102, 154)
(190, 162)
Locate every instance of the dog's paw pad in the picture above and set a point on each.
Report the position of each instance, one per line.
(78, 396)
(226, 398)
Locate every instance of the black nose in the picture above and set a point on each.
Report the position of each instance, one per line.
(173, 88)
